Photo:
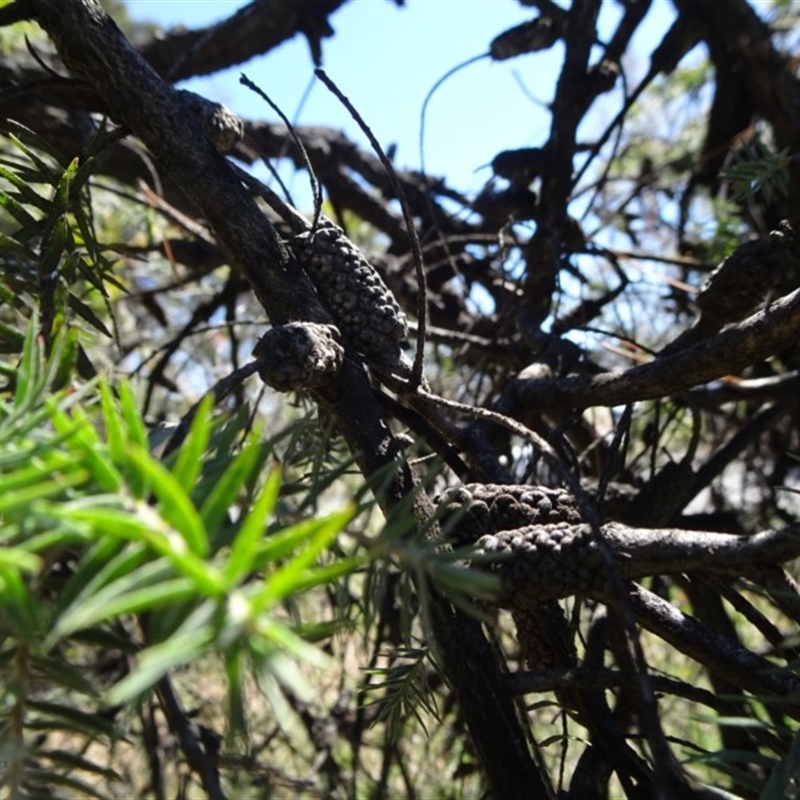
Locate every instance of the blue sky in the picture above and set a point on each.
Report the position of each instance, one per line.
(387, 58)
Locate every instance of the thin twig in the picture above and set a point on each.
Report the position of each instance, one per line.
(203, 762)
(429, 96)
(422, 294)
(315, 190)
(290, 215)
(219, 391)
(517, 427)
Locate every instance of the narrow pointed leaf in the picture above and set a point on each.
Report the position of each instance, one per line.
(137, 432)
(86, 314)
(61, 717)
(17, 211)
(174, 504)
(245, 546)
(228, 488)
(105, 561)
(28, 367)
(26, 140)
(111, 603)
(22, 186)
(287, 578)
(147, 526)
(39, 491)
(103, 472)
(115, 431)
(157, 661)
(190, 458)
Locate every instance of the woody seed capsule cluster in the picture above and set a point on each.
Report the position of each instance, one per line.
(488, 508)
(362, 305)
(541, 563)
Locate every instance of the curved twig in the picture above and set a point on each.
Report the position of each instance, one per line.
(422, 293)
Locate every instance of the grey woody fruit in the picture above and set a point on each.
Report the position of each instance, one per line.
(298, 356)
(489, 508)
(359, 301)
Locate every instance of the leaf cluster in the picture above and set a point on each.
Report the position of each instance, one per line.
(105, 547)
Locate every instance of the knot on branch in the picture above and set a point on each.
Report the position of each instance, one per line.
(298, 356)
(537, 34)
(221, 125)
(749, 275)
(756, 272)
(362, 305)
(484, 508)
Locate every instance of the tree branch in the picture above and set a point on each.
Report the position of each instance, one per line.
(257, 28)
(758, 337)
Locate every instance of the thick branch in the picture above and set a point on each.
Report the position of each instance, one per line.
(758, 337)
(257, 28)
(730, 660)
(753, 78)
(549, 562)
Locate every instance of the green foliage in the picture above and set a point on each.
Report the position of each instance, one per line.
(49, 253)
(758, 170)
(784, 779)
(111, 555)
(404, 690)
(258, 578)
(96, 532)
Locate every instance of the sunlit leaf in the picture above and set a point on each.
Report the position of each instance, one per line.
(190, 458)
(144, 525)
(285, 579)
(32, 145)
(20, 560)
(175, 506)
(19, 606)
(137, 433)
(17, 210)
(27, 194)
(124, 596)
(24, 496)
(245, 546)
(156, 661)
(228, 487)
(80, 432)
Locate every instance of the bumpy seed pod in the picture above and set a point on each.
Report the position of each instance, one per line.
(542, 563)
(753, 273)
(481, 509)
(361, 304)
(298, 356)
(538, 34)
